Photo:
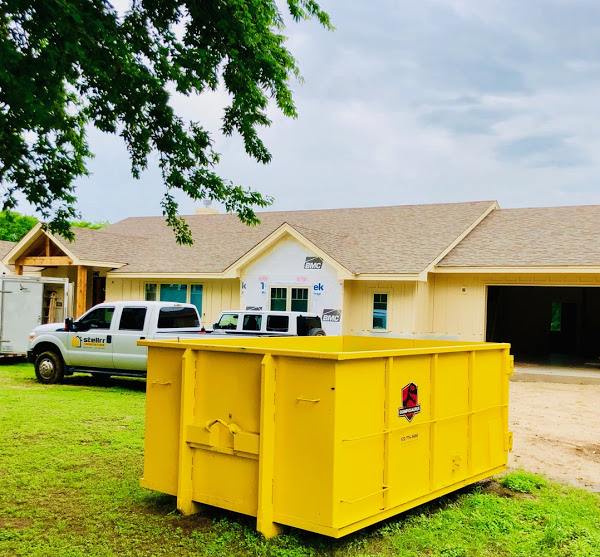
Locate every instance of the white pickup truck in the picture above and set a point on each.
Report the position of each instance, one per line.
(104, 340)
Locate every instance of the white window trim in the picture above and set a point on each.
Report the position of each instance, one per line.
(288, 300)
(371, 299)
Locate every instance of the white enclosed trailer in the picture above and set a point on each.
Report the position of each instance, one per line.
(25, 303)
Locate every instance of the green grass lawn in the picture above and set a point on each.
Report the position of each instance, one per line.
(71, 456)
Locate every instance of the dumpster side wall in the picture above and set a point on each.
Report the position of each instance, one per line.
(225, 430)
(389, 457)
(163, 403)
(305, 396)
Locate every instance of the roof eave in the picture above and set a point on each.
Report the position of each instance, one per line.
(410, 277)
(518, 269)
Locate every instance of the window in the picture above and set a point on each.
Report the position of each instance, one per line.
(196, 296)
(278, 299)
(252, 322)
(299, 299)
(98, 319)
(132, 319)
(380, 303)
(180, 293)
(279, 323)
(177, 318)
(288, 299)
(173, 293)
(151, 292)
(556, 317)
(228, 321)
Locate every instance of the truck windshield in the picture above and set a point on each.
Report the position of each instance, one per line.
(178, 318)
(227, 321)
(99, 318)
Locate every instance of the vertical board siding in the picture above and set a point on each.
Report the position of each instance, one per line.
(403, 313)
(217, 294)
(464, 315)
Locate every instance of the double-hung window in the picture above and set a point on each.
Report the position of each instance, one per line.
(289, 298)
(380, 311)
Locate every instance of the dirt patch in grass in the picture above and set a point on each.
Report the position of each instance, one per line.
(15, 523)
(493, 487)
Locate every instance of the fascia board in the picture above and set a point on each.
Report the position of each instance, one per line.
(409, 277)
(165, 276)
(21, 245)
(37, 231)
(525, 270)
(108, 264)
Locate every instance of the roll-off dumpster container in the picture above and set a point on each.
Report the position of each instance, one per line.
(327, 434)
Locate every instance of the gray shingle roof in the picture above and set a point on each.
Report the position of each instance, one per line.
(538, 237)
(5, 247)
(400, 239)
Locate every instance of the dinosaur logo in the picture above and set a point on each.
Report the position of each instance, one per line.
(410, 402)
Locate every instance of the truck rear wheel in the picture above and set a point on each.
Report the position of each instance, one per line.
(49, 368)
(316, 332)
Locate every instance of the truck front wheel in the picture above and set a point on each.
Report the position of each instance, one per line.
(49, 368)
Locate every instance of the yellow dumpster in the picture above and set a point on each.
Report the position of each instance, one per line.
(327, 434)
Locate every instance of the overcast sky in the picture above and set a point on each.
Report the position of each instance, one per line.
(411, 102)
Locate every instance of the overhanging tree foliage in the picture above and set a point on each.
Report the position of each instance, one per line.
(13, 225)
(67, 64)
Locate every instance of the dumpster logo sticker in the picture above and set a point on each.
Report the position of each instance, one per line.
(313, 263)
(410, 402)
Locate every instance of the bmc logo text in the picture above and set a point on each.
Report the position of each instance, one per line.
(332, 315)
(313, 263)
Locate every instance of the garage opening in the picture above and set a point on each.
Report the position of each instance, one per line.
(546, 322)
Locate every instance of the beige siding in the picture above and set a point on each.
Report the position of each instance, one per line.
(217, 294)
(404, 298)
(460, 301)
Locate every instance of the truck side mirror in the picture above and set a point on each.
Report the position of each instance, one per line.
(69, 323)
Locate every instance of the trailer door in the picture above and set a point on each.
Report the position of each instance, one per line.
(21, 313)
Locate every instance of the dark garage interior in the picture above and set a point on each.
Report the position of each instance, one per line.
(546, 322)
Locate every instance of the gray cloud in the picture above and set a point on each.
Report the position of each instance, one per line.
(411, 102)
(551, 151)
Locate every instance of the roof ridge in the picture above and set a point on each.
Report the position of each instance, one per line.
(322, 210)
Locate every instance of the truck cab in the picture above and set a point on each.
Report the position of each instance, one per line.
(103, 341)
